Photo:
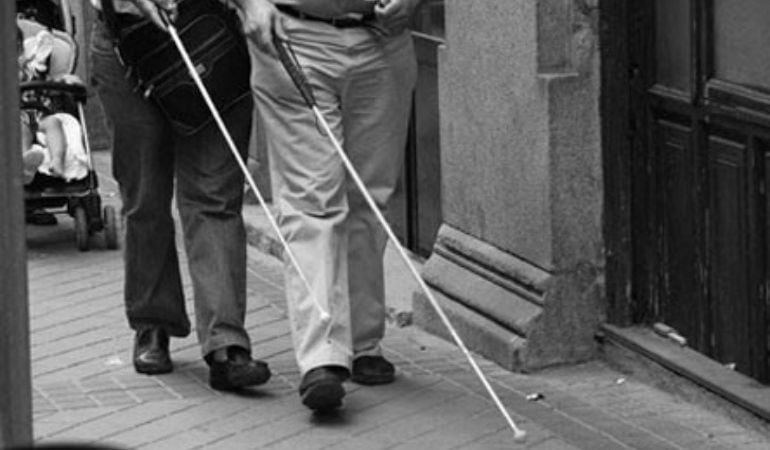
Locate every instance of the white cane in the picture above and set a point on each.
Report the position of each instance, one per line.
(323, 313)
(298, 77)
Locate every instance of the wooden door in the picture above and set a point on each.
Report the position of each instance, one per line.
(701, 154)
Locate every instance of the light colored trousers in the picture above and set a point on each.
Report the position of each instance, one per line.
(363, 83)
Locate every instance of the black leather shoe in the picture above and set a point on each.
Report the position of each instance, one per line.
(372, 370)
(321, 388)
(151, 351)
(238, 371)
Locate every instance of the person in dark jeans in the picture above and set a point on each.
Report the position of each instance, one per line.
(151, 164)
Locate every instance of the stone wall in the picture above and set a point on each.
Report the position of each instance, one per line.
(522, 183)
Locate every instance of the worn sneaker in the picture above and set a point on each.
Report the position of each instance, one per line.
(321, 388)
(238, 371)
(371, 370)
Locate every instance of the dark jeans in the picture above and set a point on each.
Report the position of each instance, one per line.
(147, 158)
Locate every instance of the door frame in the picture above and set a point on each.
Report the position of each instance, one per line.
(615, 110)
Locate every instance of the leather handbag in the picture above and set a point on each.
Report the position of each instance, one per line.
(212, 35)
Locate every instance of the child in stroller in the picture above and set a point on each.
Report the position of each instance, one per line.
(51, 143)
(58, 169)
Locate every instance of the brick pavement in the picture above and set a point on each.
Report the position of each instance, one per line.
(85, 389)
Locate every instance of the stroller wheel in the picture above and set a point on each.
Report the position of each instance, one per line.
(81, 228)
(110, 228)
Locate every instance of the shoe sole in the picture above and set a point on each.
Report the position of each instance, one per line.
(239, 383)
(323, 396)
(152, 369)
(372, 380)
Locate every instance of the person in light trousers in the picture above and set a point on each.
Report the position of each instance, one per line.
(358, 58)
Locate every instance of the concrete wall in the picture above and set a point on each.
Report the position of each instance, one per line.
(521, 168)
(494, 127)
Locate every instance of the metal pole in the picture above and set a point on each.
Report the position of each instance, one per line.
(15, 372)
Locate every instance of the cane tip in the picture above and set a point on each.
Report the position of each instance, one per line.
(520, 436)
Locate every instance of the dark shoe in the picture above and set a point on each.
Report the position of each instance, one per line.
(39, 217)
(371, 370)
(321, 388)
(238, 371)
(151, 352)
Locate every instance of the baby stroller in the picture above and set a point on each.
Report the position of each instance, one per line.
(79, 198)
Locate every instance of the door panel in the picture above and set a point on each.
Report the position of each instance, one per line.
(741, 39)
(673, 59)
(731, 259)
(679, 299)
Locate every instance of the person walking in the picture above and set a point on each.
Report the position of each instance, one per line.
(358, 58)
(150, 163)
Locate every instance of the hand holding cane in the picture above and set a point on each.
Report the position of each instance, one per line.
(290, 63)
(323, 313)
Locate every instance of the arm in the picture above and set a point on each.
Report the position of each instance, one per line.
(394, 15)
(260, 20)
(151, 10)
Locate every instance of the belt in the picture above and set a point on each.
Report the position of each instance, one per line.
(121, 17)
(339, 22)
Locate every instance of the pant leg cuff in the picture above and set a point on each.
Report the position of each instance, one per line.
(370, 351)
(224, 342)
(328, 360)
(173, 330)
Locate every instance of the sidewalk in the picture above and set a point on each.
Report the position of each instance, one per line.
(85, 388)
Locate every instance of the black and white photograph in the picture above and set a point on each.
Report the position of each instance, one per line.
(385, 224)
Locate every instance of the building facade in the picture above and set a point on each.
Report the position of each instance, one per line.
(579, 166)
(602, 170)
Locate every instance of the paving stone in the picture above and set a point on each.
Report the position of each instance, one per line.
(119, 420)
(455, 408)
(189, 439)
(177, 422)
(49, 427)
(547, 444)
(456, 435)
(248, 427)
(674, 432)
